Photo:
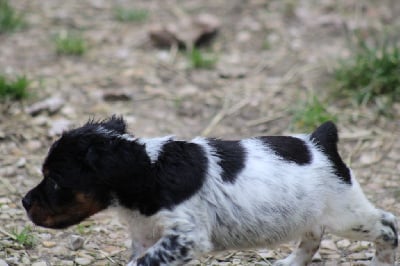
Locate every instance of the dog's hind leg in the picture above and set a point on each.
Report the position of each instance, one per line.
(354, 217)
(305, 251)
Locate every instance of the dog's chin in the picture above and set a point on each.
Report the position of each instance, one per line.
(58, 217)
(56, 221)
(46, 218)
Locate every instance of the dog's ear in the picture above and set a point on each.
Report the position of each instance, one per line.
(91, 158)
(115, 123)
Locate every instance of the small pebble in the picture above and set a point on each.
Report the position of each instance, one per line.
(83, 261)
(328, 244)
(357, 256)
(76, 242)
(39, 263)
(236, 261)
(317, 257)
(25, 260)
(21, 162)
(49, 244)
(4, 200)
(58, 127)
(45, 236)
(343, 243)
(66, 263)
(262, 263)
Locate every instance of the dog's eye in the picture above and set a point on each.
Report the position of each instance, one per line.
(53, 184)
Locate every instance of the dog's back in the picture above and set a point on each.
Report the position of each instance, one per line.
(277, 191)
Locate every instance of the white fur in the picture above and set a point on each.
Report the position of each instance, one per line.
(154, 146)
(270, 202)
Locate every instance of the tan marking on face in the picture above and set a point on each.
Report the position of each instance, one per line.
(87, 204)
(77, 210)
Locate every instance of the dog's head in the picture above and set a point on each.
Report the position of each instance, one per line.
(73, 187)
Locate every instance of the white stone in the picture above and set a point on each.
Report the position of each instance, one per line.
(83, 261)
(39, 263)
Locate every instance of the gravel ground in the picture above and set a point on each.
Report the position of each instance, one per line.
(271, 56)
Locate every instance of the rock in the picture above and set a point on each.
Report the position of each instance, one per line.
(66, 263)
(51, 105)
(328, 244)
(58, 127)
(33, 145)
(186, 32)
(21, 162)
(317, 257)
(267, 254)
(360, 263)
(262, 263)
(40, 120)
(49, 244)
(45, 236)
(4, 200)
(236, 261)
(25, 260)
(60, 249)
(343, 243)
(39, 263)
(3, 263)
(243, 37)
(232, 72)
(331, 256)
(76, 242)
(83, 261)
(116, 95)
(360, 246)
(357, 256)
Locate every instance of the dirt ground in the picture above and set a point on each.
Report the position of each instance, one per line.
(272, 55)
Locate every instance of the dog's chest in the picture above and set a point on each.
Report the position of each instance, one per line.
(144, 231)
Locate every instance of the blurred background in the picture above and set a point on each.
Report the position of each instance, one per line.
(220, 68)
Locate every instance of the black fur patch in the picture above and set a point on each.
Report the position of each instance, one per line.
(326, 137)
(387, 238)
(289, 148)
(232, 156)
(180, 171)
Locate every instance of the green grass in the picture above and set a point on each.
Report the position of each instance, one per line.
(310, 114)
(130, 15)
(16, 89)
(68, 43)
(200, 59)
(370, 75)
(10, 20)
(84, 228)
(24, 237)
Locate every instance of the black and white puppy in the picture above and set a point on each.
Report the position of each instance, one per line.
(186, 198)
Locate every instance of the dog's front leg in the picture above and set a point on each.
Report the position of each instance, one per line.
(172, 249)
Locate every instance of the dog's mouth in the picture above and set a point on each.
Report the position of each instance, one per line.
(44, 218)
(61, 217)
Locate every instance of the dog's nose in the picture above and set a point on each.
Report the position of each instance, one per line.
(27, 201)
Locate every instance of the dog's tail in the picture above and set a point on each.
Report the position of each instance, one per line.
(326, 138)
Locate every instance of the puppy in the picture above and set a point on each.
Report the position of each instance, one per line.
(186, 198)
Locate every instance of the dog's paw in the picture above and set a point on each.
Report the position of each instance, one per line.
(132, 263)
